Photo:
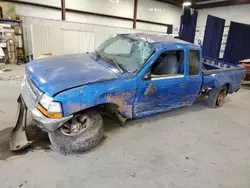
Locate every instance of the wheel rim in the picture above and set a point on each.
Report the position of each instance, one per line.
(77, 125)
(221, 98)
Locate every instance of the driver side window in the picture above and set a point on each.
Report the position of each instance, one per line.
(170, 63)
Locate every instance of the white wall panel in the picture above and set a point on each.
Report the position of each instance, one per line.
(37, 12)
(50, 36)
(84, 18)
(56, 3)
(77, 41)
(151, 27)
(40, 33)
(122, 8)
(165, 13)
(158, 12)
(237, 13)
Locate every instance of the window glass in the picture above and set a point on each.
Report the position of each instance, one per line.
(170, 63)
(127, 53)
(121, 46)
(194, 62)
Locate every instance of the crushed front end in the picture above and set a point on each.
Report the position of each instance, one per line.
(30, 112)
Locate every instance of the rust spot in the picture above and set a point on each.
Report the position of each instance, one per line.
(124, 102)
(75, 106)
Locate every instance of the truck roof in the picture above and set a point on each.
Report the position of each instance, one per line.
(159, 40)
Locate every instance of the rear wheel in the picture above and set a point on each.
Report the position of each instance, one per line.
(83, 132)
(216, 97)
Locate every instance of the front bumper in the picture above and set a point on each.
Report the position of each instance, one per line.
(34, 116)
(46, 124)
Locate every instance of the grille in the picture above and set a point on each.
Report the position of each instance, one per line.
(33, 92)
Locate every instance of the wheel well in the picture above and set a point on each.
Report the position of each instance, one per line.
(108, 107)
(103, 108)
(228, 86)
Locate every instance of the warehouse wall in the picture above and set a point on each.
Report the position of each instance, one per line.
(60, 37)
(149, 10)
(84, 32)
(122, 8)
(56, 3)
(237, 13)
(158, 12)
(38, 12)
(85, 18)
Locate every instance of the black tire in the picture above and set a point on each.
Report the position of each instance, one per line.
(213, 97)
(83, 141)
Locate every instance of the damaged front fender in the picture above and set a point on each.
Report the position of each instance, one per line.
(84, 97)
(124, 101)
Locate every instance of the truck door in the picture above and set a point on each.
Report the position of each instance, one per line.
(194, 75)
(163, 86)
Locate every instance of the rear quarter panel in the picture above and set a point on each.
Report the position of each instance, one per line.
(233, 78)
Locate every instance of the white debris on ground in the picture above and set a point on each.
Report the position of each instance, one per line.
(3, 69)
(11, 72)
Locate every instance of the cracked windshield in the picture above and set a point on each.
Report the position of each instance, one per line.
(125, 53)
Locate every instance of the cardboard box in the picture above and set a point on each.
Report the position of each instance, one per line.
(9, 35)
(17, 29)
(3, 45)
(8, 11)
(19, 42)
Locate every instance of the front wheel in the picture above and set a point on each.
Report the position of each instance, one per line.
(83, 132)
(216, 97)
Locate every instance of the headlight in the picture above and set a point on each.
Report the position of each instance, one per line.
(49, 107)
(54, 107)
(45, 101)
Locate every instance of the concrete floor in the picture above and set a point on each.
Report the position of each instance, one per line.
(189, 147)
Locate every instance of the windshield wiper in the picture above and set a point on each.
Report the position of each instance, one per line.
(96, 54)
(117, 65)
(114, 62)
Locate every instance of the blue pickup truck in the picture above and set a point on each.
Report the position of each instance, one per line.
(128, 76)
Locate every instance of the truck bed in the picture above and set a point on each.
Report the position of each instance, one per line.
(212, 66)
(218, 73)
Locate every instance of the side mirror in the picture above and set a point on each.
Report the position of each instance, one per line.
(147, 76)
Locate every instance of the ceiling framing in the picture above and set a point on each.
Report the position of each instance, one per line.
(207, 3)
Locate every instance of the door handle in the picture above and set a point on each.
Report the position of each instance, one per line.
(182, 85)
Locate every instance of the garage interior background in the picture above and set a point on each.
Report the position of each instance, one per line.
(73, 26)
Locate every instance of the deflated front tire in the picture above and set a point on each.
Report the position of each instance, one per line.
(83, 132)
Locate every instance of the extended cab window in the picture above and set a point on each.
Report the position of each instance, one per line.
(194, 62)
(170, 63)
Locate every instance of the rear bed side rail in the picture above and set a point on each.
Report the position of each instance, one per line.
(220, 66)
(209, 72)
(217, 63)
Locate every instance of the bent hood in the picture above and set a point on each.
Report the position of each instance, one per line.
(55, 74)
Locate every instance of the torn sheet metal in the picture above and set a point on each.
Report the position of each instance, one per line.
(18, 138)
(124, 101)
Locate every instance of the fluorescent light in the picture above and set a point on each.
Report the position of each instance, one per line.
(209, 1)
(155, 10)
(187, 3)
(114, 1)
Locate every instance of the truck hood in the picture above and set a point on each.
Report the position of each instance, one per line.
(54, 74)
